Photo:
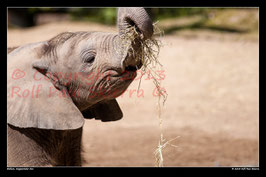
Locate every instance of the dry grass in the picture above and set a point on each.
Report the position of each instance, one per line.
(148, 53)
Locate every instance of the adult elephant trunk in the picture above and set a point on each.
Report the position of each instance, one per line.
(137, 17)
(128, 17)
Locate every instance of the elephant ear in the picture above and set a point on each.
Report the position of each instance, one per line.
(105, 111)
(33, 100)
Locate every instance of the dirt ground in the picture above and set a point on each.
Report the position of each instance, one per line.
(212, 104)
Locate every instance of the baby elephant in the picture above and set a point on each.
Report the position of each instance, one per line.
(53, 85)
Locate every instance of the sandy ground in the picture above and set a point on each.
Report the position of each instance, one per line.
(212, 104)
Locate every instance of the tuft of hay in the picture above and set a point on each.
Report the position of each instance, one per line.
(148, 53)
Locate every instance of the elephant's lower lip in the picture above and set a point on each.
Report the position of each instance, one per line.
(128, 75)
(125, 75)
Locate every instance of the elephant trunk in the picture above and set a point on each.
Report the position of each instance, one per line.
(128, 17)
(137, 17)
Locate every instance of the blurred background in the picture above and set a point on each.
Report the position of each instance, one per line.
(211, 63)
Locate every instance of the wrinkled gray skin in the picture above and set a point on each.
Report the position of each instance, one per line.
(46, 110)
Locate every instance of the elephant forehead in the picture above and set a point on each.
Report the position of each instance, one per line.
(98, 41)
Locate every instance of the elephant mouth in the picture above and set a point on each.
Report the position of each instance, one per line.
(133, 67)
(127, 75)
(129, 72)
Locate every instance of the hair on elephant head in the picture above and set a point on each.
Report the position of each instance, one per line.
(57, 83)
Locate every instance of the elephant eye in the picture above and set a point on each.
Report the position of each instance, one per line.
(90, 59)
(88, 56)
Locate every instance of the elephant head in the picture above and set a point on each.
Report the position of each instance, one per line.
(56, 83)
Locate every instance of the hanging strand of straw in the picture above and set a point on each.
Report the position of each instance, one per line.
(148, 53)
